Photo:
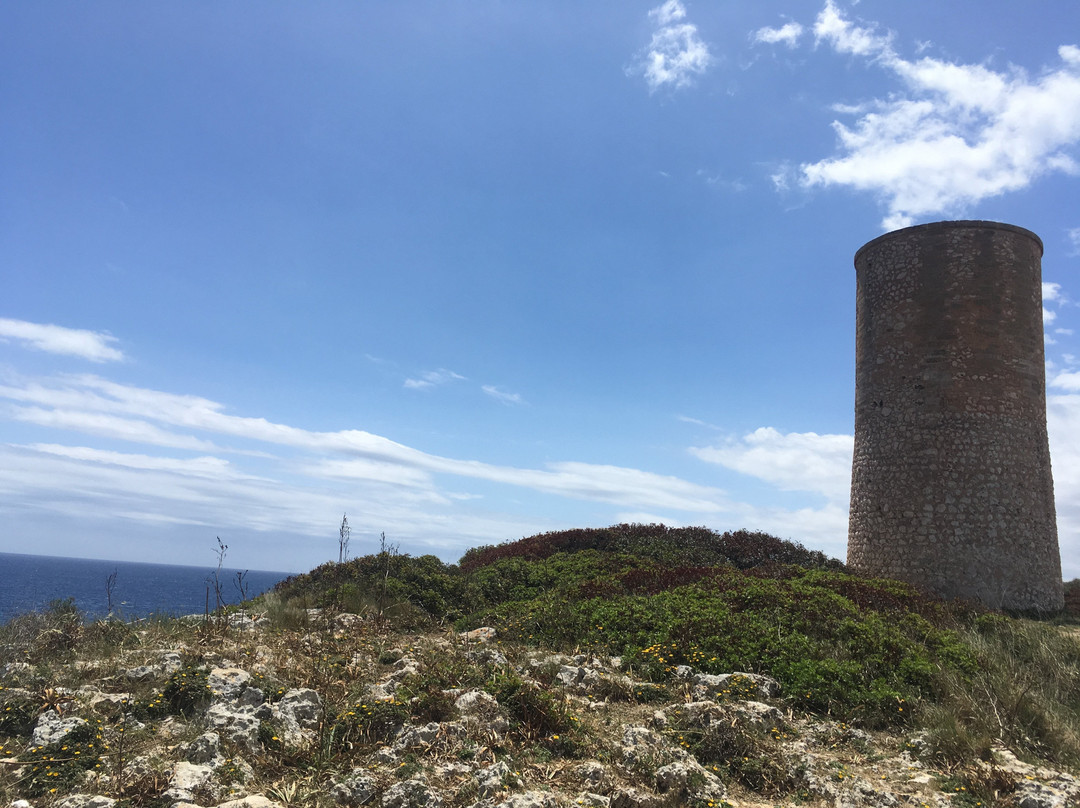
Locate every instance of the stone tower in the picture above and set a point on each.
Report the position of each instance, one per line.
(951, 486)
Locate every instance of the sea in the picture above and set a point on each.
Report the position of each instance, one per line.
(31, 582)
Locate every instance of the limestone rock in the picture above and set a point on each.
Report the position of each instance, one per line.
(411, 737)
(187, 778)
(51, 727)
(411, 794)
(205, 749)
(530, 799)
(634, 798)
(226, 684)
(705, 686)
(298, 714)
(491, 779)
(252, 801)
(1062, 791)
(85, 801)
(239, 725)
(356, 789)
(477, 703)
(590, 800)
(346, 622)
(595, 775)
(484, 634)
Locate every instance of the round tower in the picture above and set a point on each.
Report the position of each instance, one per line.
(951, 487)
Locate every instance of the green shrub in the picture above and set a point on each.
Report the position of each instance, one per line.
(368, 721)
(45, 637)
(184, 692)
(17, 716)
(58, 767)
(537, 713)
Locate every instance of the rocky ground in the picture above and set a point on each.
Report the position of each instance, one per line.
(344, 712)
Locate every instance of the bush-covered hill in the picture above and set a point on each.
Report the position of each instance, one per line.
(632, 667)
(876, 651)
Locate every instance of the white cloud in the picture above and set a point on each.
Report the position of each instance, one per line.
(668, 13)
(56, 339)
(787, 34)
(433, 378)
(1074, 237)
(213, 467)
(1067, 380)
(823, 528)
(502, 396)
(1063, 426)
(686, 419)
(676, 53)
(958, 134)
(1051, 293)
(794, 462)
(91, 487)
(107, 426)
(830, 26)
(78, 402)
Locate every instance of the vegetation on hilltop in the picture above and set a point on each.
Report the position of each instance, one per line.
(875, 670)
(879, 652)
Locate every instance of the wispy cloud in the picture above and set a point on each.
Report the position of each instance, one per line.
(686, 419)
(501, 395)
(796, 461)
(676, 53)
(107, 426)
(1074, 237)
(79, 402)
(954, 134)
(212, 467)
(1063, 426)
(433, 378)
(92, 345)
(1051, 293)
(1068, 381)
(787, 34)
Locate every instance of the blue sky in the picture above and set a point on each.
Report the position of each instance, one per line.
(471, 271)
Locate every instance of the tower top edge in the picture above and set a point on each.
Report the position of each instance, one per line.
(931, 227)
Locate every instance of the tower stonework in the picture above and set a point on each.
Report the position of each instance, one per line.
(951, 486)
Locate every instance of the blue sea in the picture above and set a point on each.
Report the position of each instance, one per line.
(31, 582)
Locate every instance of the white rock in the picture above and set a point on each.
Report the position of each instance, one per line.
(706, 686)
(595, 774)
(634, 798)
(239, 725)
(492, 778)
(530, 799)
(476, 702)
(356, 789)
(411, 737)
(187, 778)
(51, 727)
(481, 635)
(298, 714)
(671, 779)
(411, 794)
(85, 801)
(590, 800)
(228, 683)
(205, 749)
(252, 801)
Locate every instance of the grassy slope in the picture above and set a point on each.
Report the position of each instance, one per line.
(865, 653)
(876, 651)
